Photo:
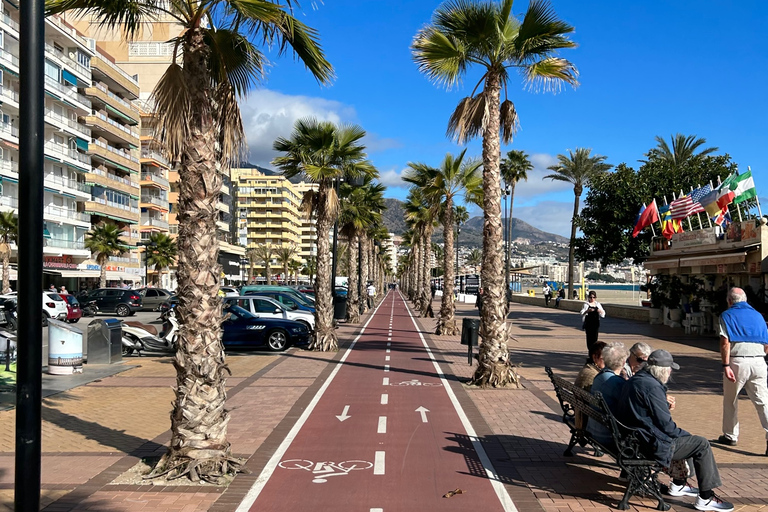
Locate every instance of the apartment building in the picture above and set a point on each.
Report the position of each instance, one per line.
(307, 226)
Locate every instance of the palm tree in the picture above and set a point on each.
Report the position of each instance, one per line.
(421, 213)
(264, 255)
(285, 255)
(200, 127)
(295, 267)
(161, 253)
(578, 169)
(252, 257)
(454, 179)
(513, 168)
(682, 151)
(475, 258)
(310, 269)
(323, 153)
(103, 240)
(9, 233)
(463, 33)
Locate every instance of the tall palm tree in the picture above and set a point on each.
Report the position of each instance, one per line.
(421, 213)
(323, 153)
(103, 240)
(252, 257)
(295, 267)
(265, 253)
(9, 233)
(161, 253)
(579, 168)
(310, 269)
(285, 255)
(464, 33)
(683, 149)
(513, 168)
(454, 179)
(475, 258)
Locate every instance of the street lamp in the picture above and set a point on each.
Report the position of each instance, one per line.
(243, 269)
(146, 244)
(507, 237)
(458, 232)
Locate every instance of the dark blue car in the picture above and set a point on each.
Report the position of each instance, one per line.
(243, 330)
(290, 301)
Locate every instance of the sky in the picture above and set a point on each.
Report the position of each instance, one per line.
(645, 69)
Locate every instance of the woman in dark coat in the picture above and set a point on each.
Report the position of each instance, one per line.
(591, 313)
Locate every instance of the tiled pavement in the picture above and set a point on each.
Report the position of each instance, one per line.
(94, 433)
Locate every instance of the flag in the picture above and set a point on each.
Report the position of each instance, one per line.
(669, 226)
(647, 217)
(709, 203)
(696, 197)
(743, 187)
(723, 218)
(719, 198)
(681, 208)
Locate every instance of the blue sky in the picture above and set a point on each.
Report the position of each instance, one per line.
(646, 68)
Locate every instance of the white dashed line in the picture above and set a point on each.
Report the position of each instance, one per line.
(384, 399)
(377, 510)
(386, 358)
(378, 464)
(385, 382)
(388, 351)
(382, 425)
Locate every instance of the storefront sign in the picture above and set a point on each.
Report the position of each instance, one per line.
(744, 232)
(112, 268)
(694, 238)
(59, 262)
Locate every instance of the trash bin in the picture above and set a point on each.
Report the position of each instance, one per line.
(65, 348)
(339, 307)
(531, 293)
(469, 330)
(105, 341)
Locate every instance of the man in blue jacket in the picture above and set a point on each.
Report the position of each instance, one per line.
(644, 405)
(743, 344)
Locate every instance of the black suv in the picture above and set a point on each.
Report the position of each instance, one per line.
(119, 301)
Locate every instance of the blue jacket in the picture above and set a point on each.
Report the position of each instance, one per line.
(744, 324)
(643, 405)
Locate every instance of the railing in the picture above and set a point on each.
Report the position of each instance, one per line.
(66, 182)
(148, 132)
(8, 165)
(148, 176)
(9, 129)
(70, 93)
(148, 153)
(9, 201)
(117, 125)
(51, 114)
(10, 93)
(163, 203)
(120, 152)
(8, 56)
(173, 229)
(69, 30)
(154, 222)
(53, 52)
(59, 211)
(66, 244)
(114, 177)
(10, 22)
(114, 96)
(123, 259)
(112, 204)
(117, 68)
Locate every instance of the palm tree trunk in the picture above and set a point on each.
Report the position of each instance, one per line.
(494, 368)
(509, 239)
(199, 419)
(426, 292)
(325, 335)
(102, 261)
(6, 270)
(571, 248)
(446, 325)
(353, 297)
(364, 270)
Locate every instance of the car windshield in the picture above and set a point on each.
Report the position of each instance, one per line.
(55, 297)
(72, 300)
(237, 311)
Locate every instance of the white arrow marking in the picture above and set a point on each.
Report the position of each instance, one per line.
(423, 410)
(344, 415)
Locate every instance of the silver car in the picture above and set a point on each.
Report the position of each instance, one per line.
(264, 307)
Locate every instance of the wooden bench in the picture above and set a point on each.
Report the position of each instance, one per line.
(641, 472)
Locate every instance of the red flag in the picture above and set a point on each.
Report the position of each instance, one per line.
(647, 217)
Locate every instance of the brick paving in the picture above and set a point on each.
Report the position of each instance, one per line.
(94, 433)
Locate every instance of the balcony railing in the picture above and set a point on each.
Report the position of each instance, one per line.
(51, 114)
(124, 259)
(8, 201)
(9, 57)
(10, 22)
(65, 244)
(148, 176)
(66, 182)
(118, 99)
(120, 152)
(114, 177)
(145, 221)
(148, 153)
(173, 229)
(66, 152)
(162, 203)
(53, 52)
(67, 91)
(8, 165)
(118, 69)
(59, 211)
(129, 131)
(10, 94)
(112, 204)
(9, 129)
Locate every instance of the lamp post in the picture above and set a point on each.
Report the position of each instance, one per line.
(243, 269)
(146, 244)
(458, 232)
(507, 236)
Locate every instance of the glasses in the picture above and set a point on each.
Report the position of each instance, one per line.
(640, 359)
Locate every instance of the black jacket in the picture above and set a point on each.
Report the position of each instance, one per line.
(644, 405)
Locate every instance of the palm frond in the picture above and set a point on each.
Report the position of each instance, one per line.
(126, 16)
(469, 119)
(549, 74)
(173, 106)
(229, 122)
(510, 123)
(234, 59)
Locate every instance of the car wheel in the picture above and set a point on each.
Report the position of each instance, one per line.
(75, 320)
(45, 319)
(122, 310)
(277, 340)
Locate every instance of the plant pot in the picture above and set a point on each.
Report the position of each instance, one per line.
(675, 315)
(655, 316)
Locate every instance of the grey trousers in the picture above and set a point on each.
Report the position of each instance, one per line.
(698, 450)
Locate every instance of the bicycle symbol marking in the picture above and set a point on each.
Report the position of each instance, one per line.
(416, 382)
(323, 470)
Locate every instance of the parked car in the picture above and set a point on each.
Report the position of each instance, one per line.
(307, 290)
(74, 313)
(152, 298)
(120, 301)
(229, 291)
(266, 307)
(260, 289)
(242, 329)
(288, 300)
(53, 307)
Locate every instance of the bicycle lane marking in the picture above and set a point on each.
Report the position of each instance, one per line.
(269, 468)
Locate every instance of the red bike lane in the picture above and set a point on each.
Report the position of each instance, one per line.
(381, 435)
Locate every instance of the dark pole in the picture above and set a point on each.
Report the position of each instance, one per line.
(508, 245)
(335, 242)
(458, 232)
(360, 288)
(30, 258)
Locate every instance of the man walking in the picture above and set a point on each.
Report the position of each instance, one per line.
(743, 345)
(371, 295)
(547, 294)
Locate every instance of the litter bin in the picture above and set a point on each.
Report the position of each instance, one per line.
(469, 330)
(65, 348)
(105, 341)
(531, 293)
(339, 307)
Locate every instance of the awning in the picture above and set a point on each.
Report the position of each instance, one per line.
(81, 143)
(713, 259)
(118, 113)
(68, 77)
(657, 264)
(73, 273)
(122, 276)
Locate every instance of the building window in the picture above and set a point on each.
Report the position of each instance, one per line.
(150, 49)
(51, 70)
(83, 59)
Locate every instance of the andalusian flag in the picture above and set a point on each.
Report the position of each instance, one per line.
(743, 187)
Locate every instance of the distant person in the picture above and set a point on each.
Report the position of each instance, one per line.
(575, 294)
(547, 294)
(591, 313)
(52, 288)
(433, 289)
(63, 289)
(371, 295)
(560, 296)
(479, 301)
(743, 345)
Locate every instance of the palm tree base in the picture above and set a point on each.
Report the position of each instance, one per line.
(325, 342)
(447, 327)
(495, 375)
(353, 314)
(215, 466)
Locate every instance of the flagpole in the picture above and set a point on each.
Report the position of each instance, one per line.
(690, 226)
(711, 188)
(757, 199)
(698, 215)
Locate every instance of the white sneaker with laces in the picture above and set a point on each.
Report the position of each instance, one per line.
(713, 504)
(682, 490)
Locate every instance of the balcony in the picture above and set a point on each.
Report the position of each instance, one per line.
(53, 181)
(155, 223)
(130, 237)
(59, 212)
(116, 211)
(68, 156)
(106, 179)
(225, 189)
(8, 203)
(10, 97)
(222, 207)
(155, 201)
(148, 178)
(65, 244)
(9, 59)
(125, 134)
(116, 102)
(148, 154)
(9, 168)
(222, 226)
(119, 76)
(66, 60)
(10, 23)
(9, 132)
(54, 118)
(125, 259)
(69, 93)
(118, 157)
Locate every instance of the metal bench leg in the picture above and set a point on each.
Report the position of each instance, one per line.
(569, 451)
(662, 505)
(624, 503)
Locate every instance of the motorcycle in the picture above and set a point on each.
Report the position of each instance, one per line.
(8, 313)
(170, 327)
(89, 308)
(138, 338)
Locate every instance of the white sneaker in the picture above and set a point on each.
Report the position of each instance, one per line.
(713, 504)
(682, 490)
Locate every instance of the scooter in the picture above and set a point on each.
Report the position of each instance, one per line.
(139, 339)
(170, 327)
(8, 310)
(90, 308)
(7, 346)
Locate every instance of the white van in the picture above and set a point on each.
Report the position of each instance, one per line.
(265, 307)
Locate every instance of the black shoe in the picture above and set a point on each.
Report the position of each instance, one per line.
(724, 440)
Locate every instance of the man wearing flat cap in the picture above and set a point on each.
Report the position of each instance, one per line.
(643, 405)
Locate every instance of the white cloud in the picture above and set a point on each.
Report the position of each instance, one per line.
(535, 185)
(269, 114)
(550, 216)
(392, 178)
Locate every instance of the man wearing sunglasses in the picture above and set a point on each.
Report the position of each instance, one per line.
(638, 356)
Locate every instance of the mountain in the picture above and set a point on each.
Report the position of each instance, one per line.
(471, 232)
